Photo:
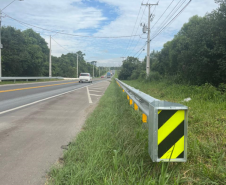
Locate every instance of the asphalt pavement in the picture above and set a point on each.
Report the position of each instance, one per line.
(36, 120)
(12, 96)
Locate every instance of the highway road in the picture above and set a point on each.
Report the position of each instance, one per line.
(36, 120)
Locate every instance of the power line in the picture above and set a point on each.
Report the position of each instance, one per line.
(61, 45)
(139, 54)
(135, 24)
(171, 20)
(141, 37)
(140, 49)
(136, 30)
(162, 14)
(171, 14)
(112, 37)
(8, 4)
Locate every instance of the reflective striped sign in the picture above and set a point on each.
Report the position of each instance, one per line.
(171, 134)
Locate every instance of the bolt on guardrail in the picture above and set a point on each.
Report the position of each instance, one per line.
(167, 125)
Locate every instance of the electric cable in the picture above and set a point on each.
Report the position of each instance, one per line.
(170, 15)
(163, 14)
(171, 20)
(74, 35)
(140, 49)
(135, 24)
(136, 30)
(61, 45)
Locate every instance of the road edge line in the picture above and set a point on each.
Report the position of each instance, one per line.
(89, 98)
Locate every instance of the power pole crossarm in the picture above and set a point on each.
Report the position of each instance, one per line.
(149, 4)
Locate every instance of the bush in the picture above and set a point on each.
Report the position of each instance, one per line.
(142, 75)
(135, 74)
(154, 76)
(222, 88)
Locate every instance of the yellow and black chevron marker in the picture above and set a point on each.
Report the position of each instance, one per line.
(171, 124)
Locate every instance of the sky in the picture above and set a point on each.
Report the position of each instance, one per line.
(83, 24)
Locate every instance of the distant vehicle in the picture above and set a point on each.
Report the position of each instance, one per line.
(108, 75)
(85, 77)
(102, 76)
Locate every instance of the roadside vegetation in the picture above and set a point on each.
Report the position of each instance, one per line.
(26, 53)
(196, 55)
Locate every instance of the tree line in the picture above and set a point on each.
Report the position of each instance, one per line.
(26, 53)
(196, 55)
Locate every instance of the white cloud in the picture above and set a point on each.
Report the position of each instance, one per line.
(73, 17)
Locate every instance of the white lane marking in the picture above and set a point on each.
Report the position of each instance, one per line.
(95, 95)
(90, 100)
(16, 108)
(98, 87)
(95, 90)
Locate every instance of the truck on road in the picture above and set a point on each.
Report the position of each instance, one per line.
(108, 75)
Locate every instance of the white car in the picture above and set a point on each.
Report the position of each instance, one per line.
(85, 77)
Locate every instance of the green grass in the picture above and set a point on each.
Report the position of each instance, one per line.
(24, 81)
(113, 146)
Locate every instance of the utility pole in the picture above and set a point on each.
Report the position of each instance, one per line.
(99, 71)
(148, 37)
(0, 45)
(93, 69)
(50, 61)
(77, 65)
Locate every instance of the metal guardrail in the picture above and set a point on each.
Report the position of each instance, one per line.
(29, 78)
(167, 125)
